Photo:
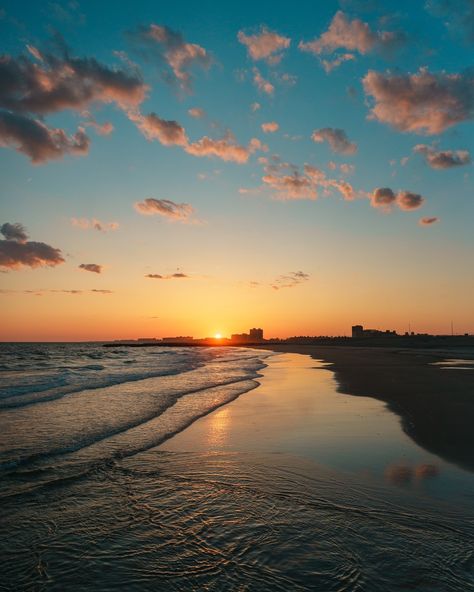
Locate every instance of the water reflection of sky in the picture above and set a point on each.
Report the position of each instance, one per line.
(298, 410)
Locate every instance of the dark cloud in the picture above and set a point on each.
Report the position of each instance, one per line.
(17, 252)
(157, 276)
(162, 45)
(423, 102)
(443, 159)
(336, 138)
(385, 198)
(40, 143)
(15, 232)
(92, 267)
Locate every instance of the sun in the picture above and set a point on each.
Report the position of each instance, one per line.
(218, 336)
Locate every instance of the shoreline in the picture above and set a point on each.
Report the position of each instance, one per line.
(435, 406)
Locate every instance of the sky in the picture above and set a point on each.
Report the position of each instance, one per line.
(193, 168)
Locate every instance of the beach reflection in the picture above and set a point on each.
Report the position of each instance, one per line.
(298, 410)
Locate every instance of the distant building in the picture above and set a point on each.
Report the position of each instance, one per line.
(359, 332)
(180, 339)
(253, 336)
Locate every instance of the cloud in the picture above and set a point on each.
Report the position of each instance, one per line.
(34, 139)
(226, 148)
(443, 159)
(424, 102)
(94, 224)
(350, 35)
(161, 44)
(265, 45)
(337, 139)
(197, 112)
(65, 82)
(92, 267)
(103, 129)
(255, 107)
(263, 85)
(17, 252)
(457, 15)
(428, 221)
(409, 201)
(330, 65)
(15, 232)
(171, 276)
(290, 183)
(290, 280)
(385, 198)
(164, 207)
(270, 127)
(41, 292)
(30, 90)
(167, 132)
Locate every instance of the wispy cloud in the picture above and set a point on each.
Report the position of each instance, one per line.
(179, 212)
(290, 280)
(443, 159)
(171, 276)
(94, 224)
(427, 221)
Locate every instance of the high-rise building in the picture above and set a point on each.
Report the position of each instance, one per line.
(256, 334)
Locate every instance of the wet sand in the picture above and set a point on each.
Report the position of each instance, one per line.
(436, 406)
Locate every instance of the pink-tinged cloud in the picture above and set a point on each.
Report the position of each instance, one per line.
(167, 132)
(336, 138)
(171, 276)
(291, 186)
(92, 267)
(350, 35)
(197, 112)
(162, 44)
(94, 224)
(65, 82)
(263, 85)
(226, 148)
(384, 198)
(265, 45)
(330, 65)
(443, 159)
(270, 127)
(165, 207)
(427, 221)
(424, 102)
(17, 252)
(407, 200)
(40, 143)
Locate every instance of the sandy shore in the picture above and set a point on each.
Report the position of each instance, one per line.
(436, 405)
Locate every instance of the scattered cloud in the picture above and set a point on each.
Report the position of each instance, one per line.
(92, 267)
(423, 103)
(355, 35)
(182, 212)
(196, 112)
(270, 127)
(160, 44)
(263, 85)
(103, 129)
(16, 251)
(290, 280)
(265, 45)
(67, 12)
(41, 292)
(94, 224)
(255, 107)
(330, 65)
(336, 138)
(225, 148)
(40, 143)
(428, 221)
(443, 159)
(385, 198)
(171, 276)
(167, 132)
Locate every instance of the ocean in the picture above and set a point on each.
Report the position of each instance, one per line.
(93, 500)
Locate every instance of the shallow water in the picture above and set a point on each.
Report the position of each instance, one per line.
(288, 486)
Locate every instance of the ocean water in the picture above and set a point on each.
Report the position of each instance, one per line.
(91, 500)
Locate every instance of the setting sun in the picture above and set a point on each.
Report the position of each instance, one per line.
(217, 336)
